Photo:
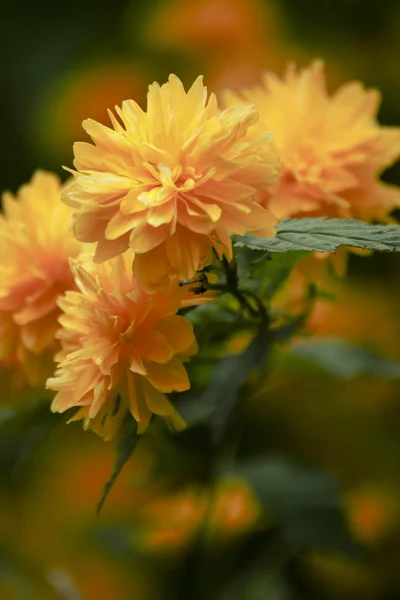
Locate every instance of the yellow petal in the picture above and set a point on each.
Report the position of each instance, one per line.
(178, 331)
(170, 377)
(152, 270)
(144, 238)
(152, 346)
(107, 249)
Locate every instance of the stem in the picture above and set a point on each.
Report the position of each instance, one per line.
(261, 308)
(232, 287)
(225, 287)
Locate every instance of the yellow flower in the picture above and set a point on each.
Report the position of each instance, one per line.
(35, 245)
(332, 147)
(171, 183)
(122, 349)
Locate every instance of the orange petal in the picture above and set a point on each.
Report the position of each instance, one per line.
(107, 249)
(138, 406)
(144, 238)
(178, 331)
(171, 377)
(160, 405)
(152, 270)
(153, 346)
(121, 224)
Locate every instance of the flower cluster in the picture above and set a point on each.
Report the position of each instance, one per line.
(332, 147)
(159, 193)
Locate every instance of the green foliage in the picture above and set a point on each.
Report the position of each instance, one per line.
(324, 235)
(126, 446)
(20, 581)
(215, 322)
(342, 359)
(220, 397)
(264, 273)
(229, 377)
(259, 583)
(22, 435)
(6, 415)
(305, 503)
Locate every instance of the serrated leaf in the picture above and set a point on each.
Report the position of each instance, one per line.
(342, 359)
(325, 235)
(126, 446)
(305, 503)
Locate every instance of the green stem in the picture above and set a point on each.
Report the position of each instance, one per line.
(232, 287)
(226, 288)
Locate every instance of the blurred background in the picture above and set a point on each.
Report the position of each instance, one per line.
(63, 63)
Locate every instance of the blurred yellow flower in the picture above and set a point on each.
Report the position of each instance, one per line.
(122, 349)
(332, 147)
(35, 245)
(171, 183)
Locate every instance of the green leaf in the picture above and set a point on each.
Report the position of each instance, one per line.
(229, 377)
(219, 400)
(263, 273)
(342, 359)
(305, 503)
(325, 235)
(6, 415)
(113, 539)
(126, 446)
(258, 584)
(213, 322)
(221, 396)
(20, 579)
(23, 434)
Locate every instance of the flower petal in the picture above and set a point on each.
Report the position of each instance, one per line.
(178, 331)
(169, 377)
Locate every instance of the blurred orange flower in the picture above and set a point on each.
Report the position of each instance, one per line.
(89, 90)
(372, 512)
(122, 349)
(35, 245)
(332, 147)
(218, 24)
(170, 522)
(236, 508)
(171, 183)
(364, 314)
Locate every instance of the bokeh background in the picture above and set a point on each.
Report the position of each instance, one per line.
(62, 63)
